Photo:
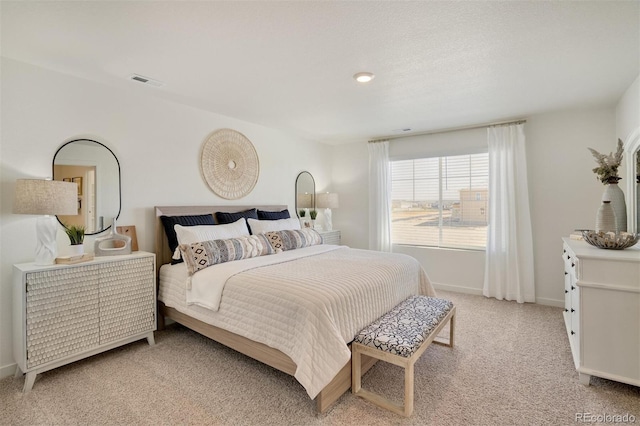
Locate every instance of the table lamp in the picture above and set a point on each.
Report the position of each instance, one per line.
(328, 201)
(46, 198)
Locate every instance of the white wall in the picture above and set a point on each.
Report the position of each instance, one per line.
(628, 111)
(564, 193)
(157, 143)
(350, 176)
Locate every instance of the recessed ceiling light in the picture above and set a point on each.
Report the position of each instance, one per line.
(363, 77)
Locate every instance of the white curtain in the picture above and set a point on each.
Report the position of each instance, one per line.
(379, 197)
(509, 260)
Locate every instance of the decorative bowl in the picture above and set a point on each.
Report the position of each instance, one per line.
(610, 240)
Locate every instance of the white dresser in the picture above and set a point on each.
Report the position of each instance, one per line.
(602, 310)
(330, 237)
(63, 313)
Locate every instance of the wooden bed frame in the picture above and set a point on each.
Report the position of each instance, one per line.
(263, 353)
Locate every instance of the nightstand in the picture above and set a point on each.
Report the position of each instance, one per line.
(63, 313)
(330, 237)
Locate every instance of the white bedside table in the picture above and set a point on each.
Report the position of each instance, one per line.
(63, 313)
(330, 237)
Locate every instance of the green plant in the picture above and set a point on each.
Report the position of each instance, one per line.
(313, 214)
(75, 234)
(607, 169)
(302, 213)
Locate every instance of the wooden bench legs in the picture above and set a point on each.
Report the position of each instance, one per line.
(357, 350)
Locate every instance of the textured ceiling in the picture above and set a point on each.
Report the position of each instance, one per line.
(289, 65)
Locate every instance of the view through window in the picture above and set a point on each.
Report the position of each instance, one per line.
(441, 201)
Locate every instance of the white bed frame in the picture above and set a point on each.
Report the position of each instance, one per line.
(263, 353)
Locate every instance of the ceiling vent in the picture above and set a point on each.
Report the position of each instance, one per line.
(146, 80)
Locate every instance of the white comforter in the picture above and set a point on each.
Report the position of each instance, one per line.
(307, 303)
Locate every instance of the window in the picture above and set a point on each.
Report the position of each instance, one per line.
(441, 201)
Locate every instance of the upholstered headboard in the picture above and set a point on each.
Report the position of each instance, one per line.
(163, 253)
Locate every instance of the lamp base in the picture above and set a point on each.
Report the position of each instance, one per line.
(328, 225)
(46, 244)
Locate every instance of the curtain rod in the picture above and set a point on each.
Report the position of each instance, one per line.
(452, 129)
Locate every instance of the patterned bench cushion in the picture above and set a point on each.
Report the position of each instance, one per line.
(403, 329)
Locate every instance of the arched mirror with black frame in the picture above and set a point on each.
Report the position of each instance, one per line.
(96, 170)
(305, 193)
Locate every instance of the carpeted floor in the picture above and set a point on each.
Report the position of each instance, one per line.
(511, 365)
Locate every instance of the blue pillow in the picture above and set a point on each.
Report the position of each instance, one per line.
(169, 221)
(223, 217)
(264, 215)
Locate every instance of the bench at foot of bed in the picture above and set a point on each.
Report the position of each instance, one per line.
(400, 337)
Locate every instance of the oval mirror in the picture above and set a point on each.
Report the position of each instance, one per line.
(96, 170)
(305, 192)
(632, 155)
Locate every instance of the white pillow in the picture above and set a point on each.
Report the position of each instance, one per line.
(198, 233)
(262, 226)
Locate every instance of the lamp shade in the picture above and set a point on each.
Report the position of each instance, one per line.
(327, 200)
(305, 201)
(45, 197)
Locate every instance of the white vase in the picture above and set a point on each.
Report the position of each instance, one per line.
(76, 250)
(614, 194)
(606, 218)
(113, 243)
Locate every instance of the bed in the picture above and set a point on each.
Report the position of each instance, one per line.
(296, 311)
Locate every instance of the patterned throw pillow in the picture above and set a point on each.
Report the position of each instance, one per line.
(293, 239)
(275, 240)
(203, 254)
(193, 234)
(266, 246)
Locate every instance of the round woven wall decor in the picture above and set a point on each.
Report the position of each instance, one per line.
(229, 164)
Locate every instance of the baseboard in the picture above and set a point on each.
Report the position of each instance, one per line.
(457, 289)
(478, 292)
(7, 370)
(550, 302)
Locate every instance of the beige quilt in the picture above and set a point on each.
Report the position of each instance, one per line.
(308, 307)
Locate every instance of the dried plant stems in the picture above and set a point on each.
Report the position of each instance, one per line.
(607, 169)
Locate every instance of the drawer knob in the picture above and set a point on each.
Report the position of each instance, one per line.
(566, 310)
(573, 264)
(566, 273)
(573, 332)
(573, 310)
(573, 288)
(566, 291)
